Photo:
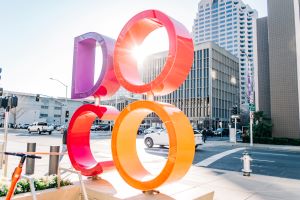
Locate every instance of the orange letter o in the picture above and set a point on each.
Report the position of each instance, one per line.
(181, 144)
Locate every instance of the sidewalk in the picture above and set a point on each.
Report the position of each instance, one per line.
(247, 145)
(230, 185)
(227, 185)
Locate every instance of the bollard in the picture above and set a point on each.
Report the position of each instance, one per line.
(30, 162)
(53, 160)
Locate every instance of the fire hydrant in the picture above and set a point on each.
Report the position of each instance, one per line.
(246, 163)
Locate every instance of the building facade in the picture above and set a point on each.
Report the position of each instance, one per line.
(210, 90)
(262, 73)
(284, 55)
(232, 25)
(47, 109)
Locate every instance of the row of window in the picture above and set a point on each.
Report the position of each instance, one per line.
(42, 115)
(47, 107)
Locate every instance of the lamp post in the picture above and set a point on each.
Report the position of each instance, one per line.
(66, 86)
(235, 107)
(250, 96)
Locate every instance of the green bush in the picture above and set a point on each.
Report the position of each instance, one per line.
(3, 190)
(270, 140)
(43, 183)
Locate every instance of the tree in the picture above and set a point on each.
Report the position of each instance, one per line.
(262, 125)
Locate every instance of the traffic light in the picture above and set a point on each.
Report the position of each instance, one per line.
(67, 114)
(1, 91)
(13, 101)
(3, 102)
(37, 98)
(234, 110)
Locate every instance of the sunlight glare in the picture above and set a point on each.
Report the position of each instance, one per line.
(138, 54)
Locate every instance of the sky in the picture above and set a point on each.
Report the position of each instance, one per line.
(37, 37)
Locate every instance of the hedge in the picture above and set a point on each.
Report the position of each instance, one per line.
(273, 140)
(43, 183)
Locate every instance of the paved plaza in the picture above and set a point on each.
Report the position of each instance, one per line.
(217, 165)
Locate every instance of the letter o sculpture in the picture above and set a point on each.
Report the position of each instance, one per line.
(181, 137)
(175, 71)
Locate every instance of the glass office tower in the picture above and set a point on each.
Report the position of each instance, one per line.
(232, 25)
(210, 90)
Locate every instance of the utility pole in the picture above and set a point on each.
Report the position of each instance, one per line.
(66, 97)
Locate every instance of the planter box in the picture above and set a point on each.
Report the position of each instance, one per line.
(71, 192)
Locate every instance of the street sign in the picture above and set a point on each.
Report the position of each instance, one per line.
(252, 107)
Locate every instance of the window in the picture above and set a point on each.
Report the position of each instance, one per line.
(57, 108)
(57, 115)
(43, 115)
(44, 107)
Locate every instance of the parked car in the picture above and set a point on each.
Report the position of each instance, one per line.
(104, 127)
(161, 138)
(94, 128)
(40, 127)
(222, 132)
(60, 128)
(140, 131)
(152, 130)
(24, 126)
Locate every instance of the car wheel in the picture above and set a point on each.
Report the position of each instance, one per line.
(149, 142)
(50, 132)
(39, 132)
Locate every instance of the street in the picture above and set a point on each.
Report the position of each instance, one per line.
(216, 153)
(270, 162)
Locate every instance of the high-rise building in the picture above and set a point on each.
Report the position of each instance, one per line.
(211, 89)
(284, 67)
(262, 73)
(232, 25)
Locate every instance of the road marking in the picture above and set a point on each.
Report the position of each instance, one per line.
(271, 161)
(214, 158)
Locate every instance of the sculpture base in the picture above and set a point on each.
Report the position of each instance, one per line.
(116, 189)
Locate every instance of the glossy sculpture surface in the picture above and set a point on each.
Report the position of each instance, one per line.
(120, 68)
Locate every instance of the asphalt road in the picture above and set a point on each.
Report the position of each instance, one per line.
(266, 161)
(215, 153)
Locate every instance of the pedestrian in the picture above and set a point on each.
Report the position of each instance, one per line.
(204, 134)
(64, 148)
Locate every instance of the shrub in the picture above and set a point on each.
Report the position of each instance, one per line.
(43, 183)
(270, 140)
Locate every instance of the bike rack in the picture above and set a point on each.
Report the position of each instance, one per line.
(82, 187)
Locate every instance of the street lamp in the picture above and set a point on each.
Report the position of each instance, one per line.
(66, 86)
(234, 113)
(250, 96)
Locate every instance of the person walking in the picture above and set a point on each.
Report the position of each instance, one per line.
(64, 148)
(204, 134)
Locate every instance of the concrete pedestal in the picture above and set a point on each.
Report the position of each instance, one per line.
(112, 187)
